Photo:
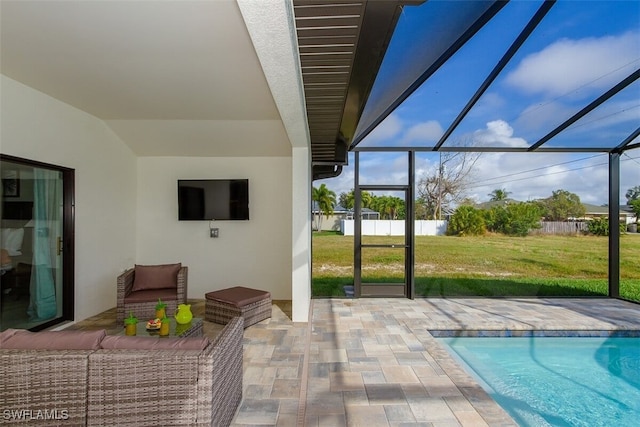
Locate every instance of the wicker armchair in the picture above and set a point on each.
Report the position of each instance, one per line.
(142, 303)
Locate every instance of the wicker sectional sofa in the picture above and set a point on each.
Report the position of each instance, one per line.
(109, 381)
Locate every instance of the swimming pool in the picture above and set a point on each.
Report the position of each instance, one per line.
(557, 381)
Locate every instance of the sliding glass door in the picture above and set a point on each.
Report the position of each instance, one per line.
(36, 244)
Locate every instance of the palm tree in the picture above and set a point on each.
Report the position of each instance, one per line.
(388, 206)
(326, 200)
(633, 194)
(499, 194)
(382, 205)
(366, 198)
(347, 199)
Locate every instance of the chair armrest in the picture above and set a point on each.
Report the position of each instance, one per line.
(220, 377)
(123, 288)
(125, 283)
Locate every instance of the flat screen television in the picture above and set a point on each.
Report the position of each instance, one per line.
(213, 199)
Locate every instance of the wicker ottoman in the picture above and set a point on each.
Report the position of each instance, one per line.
(252, 305)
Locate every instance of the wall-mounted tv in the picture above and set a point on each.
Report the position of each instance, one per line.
(213, 199)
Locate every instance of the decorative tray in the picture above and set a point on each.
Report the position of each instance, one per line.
(154, 324)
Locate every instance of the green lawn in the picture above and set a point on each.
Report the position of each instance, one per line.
(493, 265)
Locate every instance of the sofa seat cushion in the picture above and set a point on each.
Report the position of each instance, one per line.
(151, 295)
(6, 334)
(145, 343)
(163, 276)
(55, 340)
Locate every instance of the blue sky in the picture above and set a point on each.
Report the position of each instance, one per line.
(580, 50)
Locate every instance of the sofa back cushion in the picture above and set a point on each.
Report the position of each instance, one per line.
(148, 277)
(144, 343)
(54, 340)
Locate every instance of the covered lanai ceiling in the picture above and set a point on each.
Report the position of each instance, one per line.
(170, 78)
(190, 78)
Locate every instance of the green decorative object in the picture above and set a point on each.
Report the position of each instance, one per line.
(130, 324)
(160, 309)
(164, 327)
(131, 320)
(183, 314)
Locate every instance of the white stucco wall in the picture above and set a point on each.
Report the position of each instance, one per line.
(126, 207)
(254, 253)
(37, 127)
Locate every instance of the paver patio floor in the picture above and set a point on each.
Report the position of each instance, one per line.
(375, 362)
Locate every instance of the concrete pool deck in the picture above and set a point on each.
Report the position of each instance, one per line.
(374, 362)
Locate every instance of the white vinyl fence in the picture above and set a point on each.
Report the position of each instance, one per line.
(386, 227)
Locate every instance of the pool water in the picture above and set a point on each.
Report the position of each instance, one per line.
(557, 381)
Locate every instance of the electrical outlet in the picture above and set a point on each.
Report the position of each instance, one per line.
(214, 232)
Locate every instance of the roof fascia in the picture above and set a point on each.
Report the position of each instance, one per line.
(378, 24)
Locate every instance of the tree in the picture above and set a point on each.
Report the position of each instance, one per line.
(326, 200)
(366, 198)
(562, 205)
(522, 217)
(445, 183)
(499, 194)
(389, 207)
(514, 219)
(466, 221)
(347, 200)
(633, 194)
(600, 226)
(468, 201)
(635, 207)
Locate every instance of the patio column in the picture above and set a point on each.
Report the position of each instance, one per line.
(301, 234)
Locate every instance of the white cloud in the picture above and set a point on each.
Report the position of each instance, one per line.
(567, 65)
(489, 103)
(600, 125)
(383, 168)
(527, 176)
(386, 132)
(425, 132)
(498, 133)
(609, 115)
(530, 176)
(538, 118)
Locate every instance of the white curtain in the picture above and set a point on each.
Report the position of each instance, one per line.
(47, 188)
